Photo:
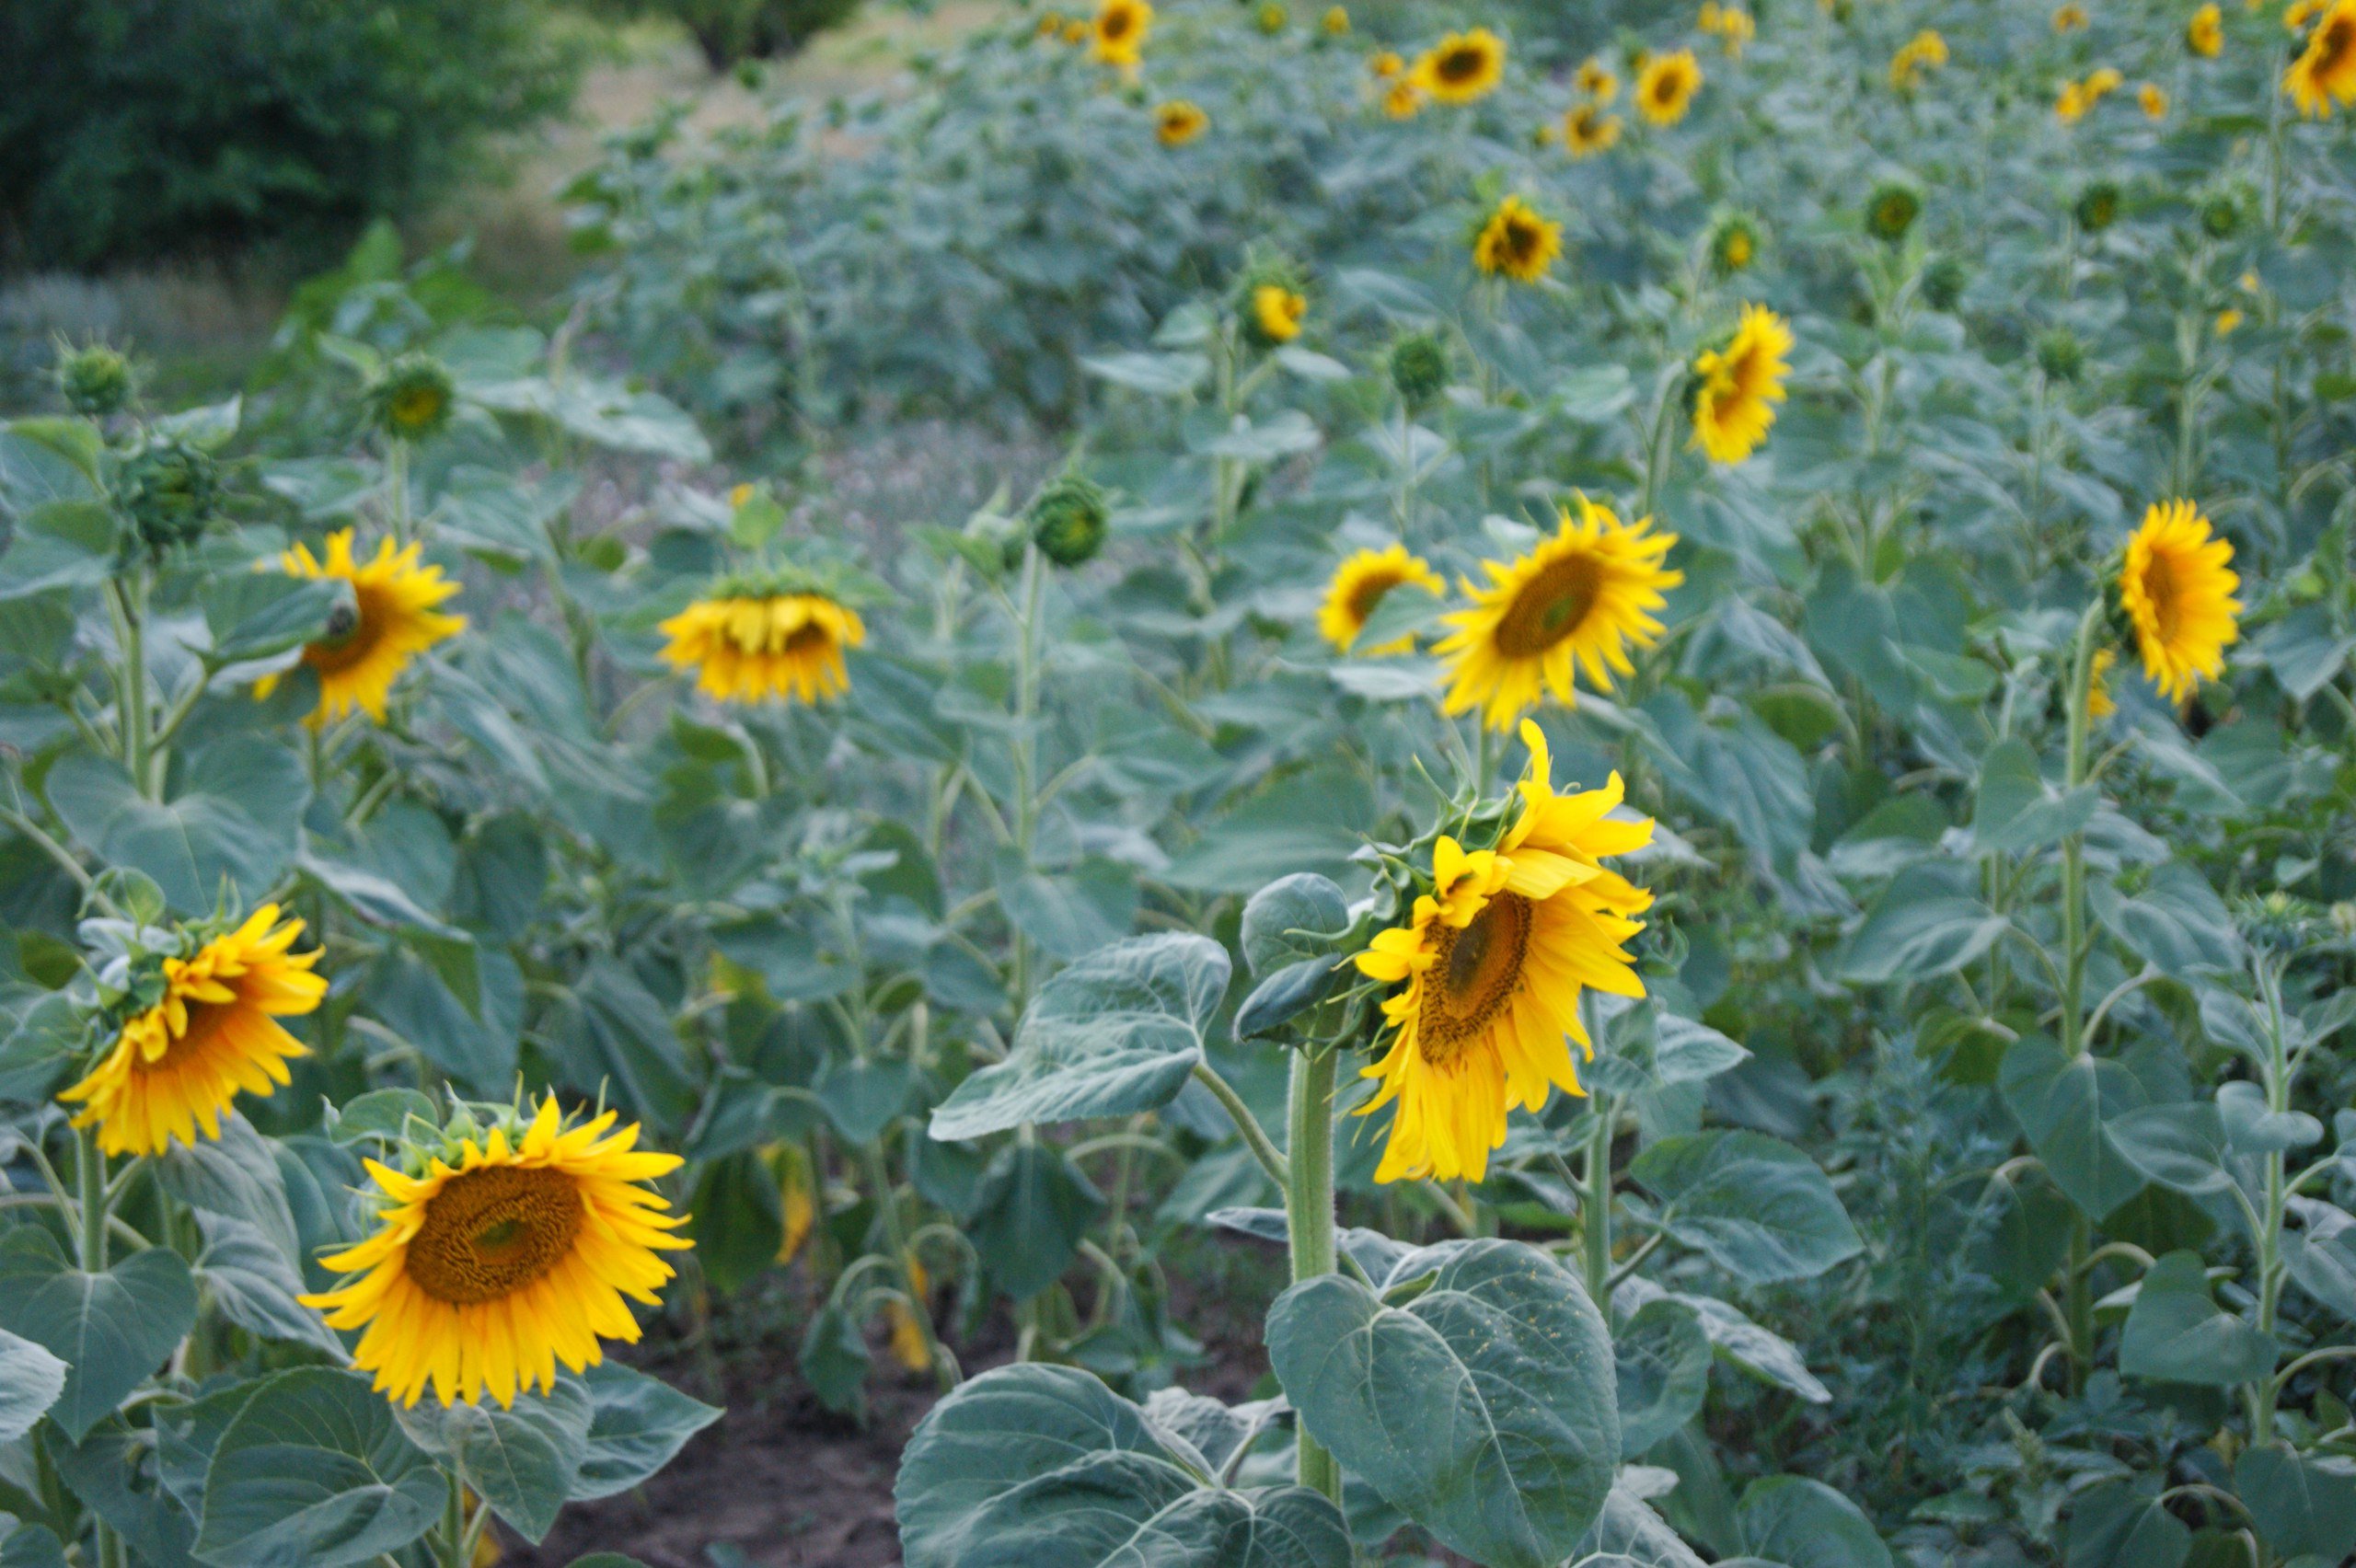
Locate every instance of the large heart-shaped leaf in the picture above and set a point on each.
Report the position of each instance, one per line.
(520, 1460)
(2303, 1507)
(30, 1380)
(1806, 1524)
(2066, 1106)
(1756, 1206)
(1483, 1407)
(234, 817)
(314, 1472)
(2177, 921)
(1663, 1362)
(1032, 1209)
(1765, 1354)
(1918, 928)
(1047, 1466)
(110, 1329)
(2176, 1333)
(637, 1424)
(1117, 1032)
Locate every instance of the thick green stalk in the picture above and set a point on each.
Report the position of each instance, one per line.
(1595, 1202)
(1309, 1213)
(2269, 1241)
(131, 682)
(2079, 1287)
(90, 1178)
(454, 1519)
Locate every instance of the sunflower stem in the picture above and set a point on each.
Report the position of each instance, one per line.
(1595, 1202)
(90, 1175)
(1309, 1214)
(2079, 1291)
(454, 1518)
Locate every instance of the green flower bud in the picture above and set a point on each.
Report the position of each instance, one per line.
(169, 491)
(2060, 354)
(1891, 210)
(1735, 245)
(2098, 206)
(1942, 282)
(1068, 521)
(95, 380)
(1419, 367)
(411, 398)
(2220, 217)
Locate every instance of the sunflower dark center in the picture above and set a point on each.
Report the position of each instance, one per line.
(1464, 63)
(2339, 39)
(2160, 586)
(1478, 970)
(1115, 26)
(807, 638)
(492, 1231)
(352, 631)
(1368, 593)
(416, 406)
(1551, 607)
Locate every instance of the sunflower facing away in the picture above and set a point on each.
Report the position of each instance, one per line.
(178, 1066)
(1578, 600)
(2071, 104)
(505, 1259)
(1277, 311)
(2154, 99)
(1597, 82)
(1587, 130)
(2177, 590)
(392, 620)
(2099, 702)
(1402, 100)
(2325, 73)
(1179, 122)
(1925, 51)
(1665, 87)
(1517, 242)
(1735, 387)
(1462, 67)
(2205, 33)
(1363, 582)
(1491, 966)
(1119, 32)
(746, 647)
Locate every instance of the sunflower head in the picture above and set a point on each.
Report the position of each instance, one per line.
(391, 619)
(1666, 86)
(1891, 209)
(1462, 67)
(1516, 241)
(1117, 36)
(1179, 122)
(1335, 22)
(2324, 75)
(2096, 207)
(1273, 17)
(781, 635)
(1419, 367)
(411, 398)
(2220, 216)
(1944, 281)
(2060, 354)
(1579, 601)
(1736, 29)
(95, 380)
(1595, 79)
(2205, 34)
(1734, 244)
(2227, 319)
(2069, 105)
(1051, 24)
(2175, 589)
(2099, 702)
(1496, 940)
(1587, 130)
(170, 490)
(1385, 64)
(2070, 18)
(509, 1244)
(199, 1022)
(1068, 520)
(2153, 100)
(1362, 583)
(1735, 387)
(1402, 100)
(1276, 314)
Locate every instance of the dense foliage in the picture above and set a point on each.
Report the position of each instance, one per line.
(1808, 553)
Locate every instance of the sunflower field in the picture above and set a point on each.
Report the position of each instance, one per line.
(1625, 836)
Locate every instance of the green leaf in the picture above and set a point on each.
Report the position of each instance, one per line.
(2251, 1129)
(1164, 375)
(111, 1472)
(30, 1380)
(1291, 919)
(1117, 1032)
(1663, 1360)
(2180, 1145)
(1806, 1524)
(2321, 1255)
(2124, 1525)
(2177, 922)
(835, 1360)
(2016, 812)
(862, 1098)
(260, 614)
(520, 1460)
(1032, 1210)
(1069, 914)
(1918, 930)
(2065, 1107)
(1762, 1353)
(1046, 1467)
(1758, 1207)
(31, 1546)
(637, 1425)
(2303, 1507)
(379, 1115)
(255, 1285)
(235, 818)
(1483, 1409)
(314, 1472)
(112, 1330)
(2175, 1334)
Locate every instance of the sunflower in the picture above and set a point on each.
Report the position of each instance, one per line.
(1402, 99)
(1462, 67)
(1734, 245)
(1335, 21)
(1925, 51)
(746, 647)
(1736, 386)
(2071, 104)
(2154, 99)
(2325, 73)
(2098, 699)
(1179, 122)
(2070, 18)
(2102, 80)
(1076, 32)
(1665, 87)
(2205, 33)
(392, 620)
(180, 1064)
(495, 1265)
(1119, 32)
(1735, 29)
(1385, 64)
(1517, 242)
(1363, 582)
(1277, 311)
(1050, 25)
(1491, 966)
(2177, 589)
(2299, 13)
(1597, 82)
(2227, 319)
(1588, 130)
(1578, 599)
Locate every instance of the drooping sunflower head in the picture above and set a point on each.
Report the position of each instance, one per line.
(1925, 51)
(1117, 36)
(1735, 387)
(503, 1254)
(1734, 244)
(751, 640)
(210, 1031)
(411, 398)
(2325, 73)
(1487, 968)
(2205, 33)
(1736, 29)
(1462, 67)
(391, 620)
(1363, 582)
(1666, 86)
(1179, 122)
(2099, 702)
(2153, 100)
(1596, 80)
(1891, 209)
(1579, 601)
(1587, 130)
(1516, 241)
(2098, 206)
(2177, 590)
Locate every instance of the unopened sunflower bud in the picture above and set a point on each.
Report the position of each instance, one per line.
(169, 491)
(1891, 210)
(2098, 206)
(1419, 367)
(2060, 354)
(95, 380)
(1942, 282)
(1068, 521)
(2220, 217)
(411, 398)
